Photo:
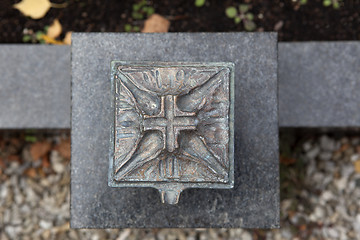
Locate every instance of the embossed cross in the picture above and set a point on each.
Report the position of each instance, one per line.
(170, 121)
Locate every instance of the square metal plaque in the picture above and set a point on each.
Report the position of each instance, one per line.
(173, 126)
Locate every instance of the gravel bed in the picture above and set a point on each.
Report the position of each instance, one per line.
(320, 187)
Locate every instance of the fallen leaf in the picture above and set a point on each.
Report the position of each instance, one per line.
(302, 227)
(156, 23)
(2, 164)
(45, 162)
(31, 172)
(33, 8)
(357, 166)
(50, 40)
(39, 149)
(14, 158)
(344, 147)
(64, 148)
(67, 38)
(55, 29)
(287, 160)
(278, 25)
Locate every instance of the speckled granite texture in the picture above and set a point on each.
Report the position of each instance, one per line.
(319, 84)
(252, 203)
(34, 86)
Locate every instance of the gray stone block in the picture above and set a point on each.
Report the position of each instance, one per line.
(319, 84)
(254, 200)
(34, 86)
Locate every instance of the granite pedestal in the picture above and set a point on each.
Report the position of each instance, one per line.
(254, 200)
(319, 84)
(34, 86)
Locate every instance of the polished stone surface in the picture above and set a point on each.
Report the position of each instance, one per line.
(319, 84)
(34, 86)
(254, 200)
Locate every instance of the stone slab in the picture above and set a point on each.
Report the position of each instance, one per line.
(316, 85)
(254, 200)
(34, 86)
(319, 84)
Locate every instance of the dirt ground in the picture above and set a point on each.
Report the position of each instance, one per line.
(293, 21)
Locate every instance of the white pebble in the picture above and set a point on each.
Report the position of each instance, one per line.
(45, 224)
(246, 236)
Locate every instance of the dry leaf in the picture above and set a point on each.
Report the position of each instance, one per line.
(39, 149)
(45, 162)
(14, 158)
(31, 172)
(64, 148)
(33, 8)
(55, 29)
(2, 164)
(156, 23)
(67, 38)
(287, 160)
(357, 166)
(50, 40)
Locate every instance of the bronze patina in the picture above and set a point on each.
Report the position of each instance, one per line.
(173, 126)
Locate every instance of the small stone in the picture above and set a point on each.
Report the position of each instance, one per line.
(285, 205)
(246, 236)
(325, 156)
(355, 157)
(307, 146)
(57, 162)
(286, 233)
(46, 234)
(356, 223)
(327, 143)
(3, 236)
(327, 195)
(332, 233)
(45, 224)
(341, 183)
(319, 212)
(13, 231)
(357, 182)
(313, 153)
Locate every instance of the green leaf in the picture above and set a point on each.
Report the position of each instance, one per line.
(150, 11)
(249, 16)
(237, 20)
(46, 28)
(127, 27)
(136, 7)
(249, 26)
(199, 3)
(143, 3)
(26, 38)
(244, 8)
(231, 12)
(39, 35)
(137, 15)
(136, 29)
(303, 2)
(30, 138)
(327, 3)
(336, 5)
